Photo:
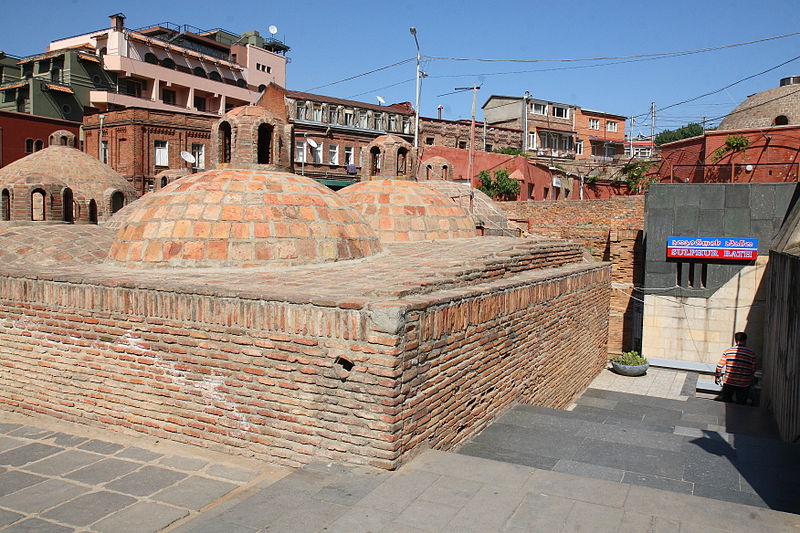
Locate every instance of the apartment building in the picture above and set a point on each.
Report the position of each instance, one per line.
(456, 134)
(600, 136)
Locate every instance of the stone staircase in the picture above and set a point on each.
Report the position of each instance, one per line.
(697, 446)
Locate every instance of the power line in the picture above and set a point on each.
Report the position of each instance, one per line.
(373, 71)
(382, 88)
(659, 54)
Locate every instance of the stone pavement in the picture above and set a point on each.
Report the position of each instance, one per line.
(658, 382)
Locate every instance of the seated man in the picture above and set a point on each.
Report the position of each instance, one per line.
(735, 370)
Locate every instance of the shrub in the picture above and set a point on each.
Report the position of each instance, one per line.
(632, 358)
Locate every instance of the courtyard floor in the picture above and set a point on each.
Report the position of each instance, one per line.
(652, 459)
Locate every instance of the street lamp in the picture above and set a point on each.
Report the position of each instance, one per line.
(413, 31)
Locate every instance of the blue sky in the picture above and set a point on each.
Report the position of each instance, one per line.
(335, 40)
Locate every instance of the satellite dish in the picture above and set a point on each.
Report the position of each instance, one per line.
(312, 143)
(381, 100)
(273, 29)
(188, 157)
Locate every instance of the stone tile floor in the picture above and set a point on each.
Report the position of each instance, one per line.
(658, 382)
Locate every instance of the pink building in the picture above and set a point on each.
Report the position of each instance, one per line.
(180, 68)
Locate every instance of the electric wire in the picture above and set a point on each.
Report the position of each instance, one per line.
(373, 71)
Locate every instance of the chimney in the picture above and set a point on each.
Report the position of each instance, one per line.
(440, 111)
(117, 21)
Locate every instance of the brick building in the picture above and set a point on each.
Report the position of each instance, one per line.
(599, 136)
(22, 134)
(456, 134)
(139, 142)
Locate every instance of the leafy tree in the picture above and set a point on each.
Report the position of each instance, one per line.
(635, 174)
(501, 187)
(510, 150)
(692, 129)
(733, 144)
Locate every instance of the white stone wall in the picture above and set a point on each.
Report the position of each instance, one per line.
(700, 329)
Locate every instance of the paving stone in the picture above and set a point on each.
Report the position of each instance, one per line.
(13, 480)
(710, 469)
(194, 492)
(702, 418)
(215, 525)
(8, 517)
(427, 516)
(349, 488)
(27, 454)
(103, 471)
(597, 402)
(698, 433)
(632, 458)
(361, 519)
(148, 517)
(139, 454)
(146, 481)
(489, 510)
(7, 428)
(64, 439)
(688, 527)
(89, 508)
(451, 491)
(397, 492)
(634, 436)
(496, 453)
(474, 468)
(592, 517)
(9, 443)
(36, 525)
(541, 512)
(100, 446)
(307, 516)
(187, 464)
(63, 463)
(557, 444)
(578, 488)
(42, 496)
(577, 468)
(633, 522)
(30, 432)
(657, 482)
(232, 473)
(557, 419)
(728, 495)
(394, 527)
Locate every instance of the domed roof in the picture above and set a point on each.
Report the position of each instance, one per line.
(62, 165)
(55, 245)
(773, 107)
(400, 210)
(223, 218)
(478, 204)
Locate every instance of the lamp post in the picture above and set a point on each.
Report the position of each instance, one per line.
(413, 31)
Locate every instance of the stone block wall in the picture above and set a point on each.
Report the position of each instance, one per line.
(291, 381)
(611, 230)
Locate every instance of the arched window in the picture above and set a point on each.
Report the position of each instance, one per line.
(168, 63)
(92, 211)
(428, 172)
(64, 141)
(164, 181)
(224, 142)
(214, 75)
(375, 160)
(241, 83)
(262, 88)
(117, 201)
(28, 146)
(38, 204)
(198, 71)
(781, 120)
(150, 58)
(38, 145)
(402, 154)
(66, 204)
(5, 205)
(444, 172)
(264, 144)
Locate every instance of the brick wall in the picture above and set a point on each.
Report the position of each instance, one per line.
(611, 230)
(273, 379)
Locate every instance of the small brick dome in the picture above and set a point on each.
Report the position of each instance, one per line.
(241, 218)
(400, 210)
(95, 188)
(56, 245)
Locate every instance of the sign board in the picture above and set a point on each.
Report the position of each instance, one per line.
(712, 248)
(556, 182)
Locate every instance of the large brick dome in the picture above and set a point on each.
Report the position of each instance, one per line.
(95, 188)
(224, 218)
(774, 107)
(400, 210)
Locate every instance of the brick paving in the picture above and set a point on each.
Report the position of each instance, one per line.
(54, 245)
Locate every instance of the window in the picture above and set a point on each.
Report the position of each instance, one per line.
(267, 69)
(610, 150)
(225, 142)
(579, 148)
(539, 109)
(406, 125)
(333, 154)
(488, 147)
(429, 141)
(264, 144)
(151, 58)
(333, 115)
(214, 75)
(392, 122)
(300, 111)
(560, 112)
(316, 153)
(348, 117)
(317, 116)
(594, 123)
(349, 156)
(566, 143)
(200, 103)
(168, 63)
(38, 145)
(378, 120)
(611, 126)
(781, 120)
(117, 201)
(198, 71)
(300, 152)
(362, 119)
(131, 87)
(532, 139)
(168, 96)
(28, 146)
(462, 145)
(199, 153)
(104, 152)
(161, 153)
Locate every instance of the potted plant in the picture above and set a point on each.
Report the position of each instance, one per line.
(630, 364)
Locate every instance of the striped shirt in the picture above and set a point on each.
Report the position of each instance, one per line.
(737, 366)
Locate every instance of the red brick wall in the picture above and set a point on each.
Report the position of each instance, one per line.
(261, 377)
(611, 230)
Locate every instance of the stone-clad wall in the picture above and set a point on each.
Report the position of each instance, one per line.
(274, 379)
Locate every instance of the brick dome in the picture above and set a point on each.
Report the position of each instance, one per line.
(242, 218)
(774, 107)
(58, 173)
(400, 210)
(56, 245)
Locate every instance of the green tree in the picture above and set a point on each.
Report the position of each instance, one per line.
(692, 129)
(510, 150)
(635, 174)
(501, 187)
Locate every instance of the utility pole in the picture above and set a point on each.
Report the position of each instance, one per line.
(703, 123)
(653, 122)
(413, 31)
(474, 90)
(630, 135)
(525, 98)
